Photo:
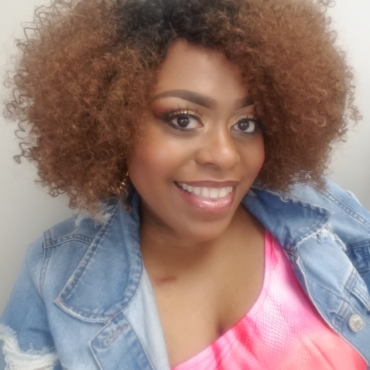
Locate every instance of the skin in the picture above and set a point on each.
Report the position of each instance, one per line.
(204, 257)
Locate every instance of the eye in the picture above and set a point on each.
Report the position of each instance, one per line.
(183, 120)
(246, 125)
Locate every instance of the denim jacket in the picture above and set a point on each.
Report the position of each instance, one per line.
(83, 299)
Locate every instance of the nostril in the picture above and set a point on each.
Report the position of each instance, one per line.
(218, 150)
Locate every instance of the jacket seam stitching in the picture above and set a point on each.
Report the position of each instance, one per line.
(341, 298)
(44, 264)
(141, 344)
(73, 237)
(350, 211)
(94, 247)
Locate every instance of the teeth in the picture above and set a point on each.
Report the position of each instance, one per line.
(197, 191)
(205, 192)
(212, 193)
(223, 192)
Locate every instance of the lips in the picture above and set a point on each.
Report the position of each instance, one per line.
(207, 192)
(208, 196)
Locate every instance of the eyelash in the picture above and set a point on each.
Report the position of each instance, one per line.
(167, 117)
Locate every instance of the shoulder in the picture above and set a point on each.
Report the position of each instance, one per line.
(329, 195)
(81, 228)
(342, 204)
(53, 257)
(330, 198)
(305, 209)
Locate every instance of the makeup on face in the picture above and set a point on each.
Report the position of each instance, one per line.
(203, 146)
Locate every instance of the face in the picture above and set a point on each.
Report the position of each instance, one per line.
(201, 149)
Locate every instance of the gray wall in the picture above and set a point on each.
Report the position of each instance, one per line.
(26, 210)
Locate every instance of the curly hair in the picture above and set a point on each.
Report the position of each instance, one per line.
(83, 79)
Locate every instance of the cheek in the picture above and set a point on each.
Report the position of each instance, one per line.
(260, 156)
(143, 163)
(153, 161)
(253, 157)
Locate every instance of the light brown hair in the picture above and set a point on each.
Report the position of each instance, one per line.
(82, 83)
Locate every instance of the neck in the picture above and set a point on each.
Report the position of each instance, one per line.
(166, 254)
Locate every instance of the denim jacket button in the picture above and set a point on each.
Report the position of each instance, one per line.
(356, 322)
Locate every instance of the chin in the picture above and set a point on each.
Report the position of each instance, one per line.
(203, 233)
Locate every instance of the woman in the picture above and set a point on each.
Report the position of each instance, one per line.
(195, 134)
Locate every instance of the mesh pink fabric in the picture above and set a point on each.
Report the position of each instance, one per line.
(282, 330)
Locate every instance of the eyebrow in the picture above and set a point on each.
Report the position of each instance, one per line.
(200, 99)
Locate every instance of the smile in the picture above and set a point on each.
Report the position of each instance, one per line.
(207, 192)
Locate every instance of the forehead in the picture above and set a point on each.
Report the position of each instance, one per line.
(195, 68)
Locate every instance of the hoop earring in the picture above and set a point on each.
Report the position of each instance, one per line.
(122, 188)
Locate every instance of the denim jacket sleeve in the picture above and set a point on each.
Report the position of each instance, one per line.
(25, 314)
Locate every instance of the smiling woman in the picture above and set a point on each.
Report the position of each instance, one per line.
(202, 138)
(193, 136)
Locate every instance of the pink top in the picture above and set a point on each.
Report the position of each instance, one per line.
(282, 330)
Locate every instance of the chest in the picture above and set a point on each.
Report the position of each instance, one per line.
(282, 326)
(196, 309)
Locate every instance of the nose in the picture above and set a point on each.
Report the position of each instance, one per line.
(218, 150)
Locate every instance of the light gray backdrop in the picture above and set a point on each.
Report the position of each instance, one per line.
(25, 208)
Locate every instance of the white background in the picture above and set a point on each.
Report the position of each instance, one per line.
(26, 210)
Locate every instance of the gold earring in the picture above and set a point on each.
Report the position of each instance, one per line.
(122, 188)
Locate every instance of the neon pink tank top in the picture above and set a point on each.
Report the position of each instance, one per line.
(282, 331)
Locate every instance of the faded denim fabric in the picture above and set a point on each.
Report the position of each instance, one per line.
(83, 299)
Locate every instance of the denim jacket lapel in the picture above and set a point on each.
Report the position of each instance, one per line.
(117, 346)
(111, 292)
(100, 286)
(290, 220)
